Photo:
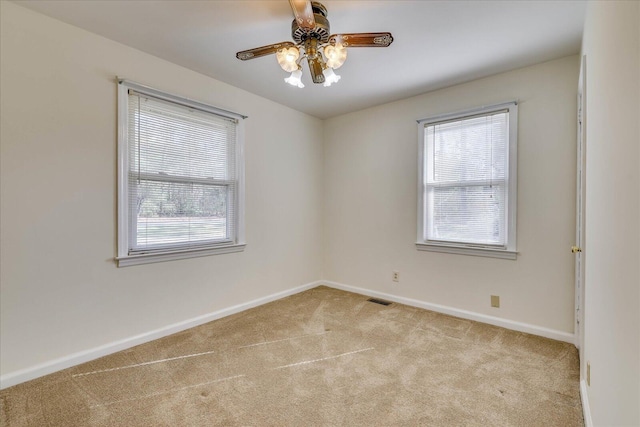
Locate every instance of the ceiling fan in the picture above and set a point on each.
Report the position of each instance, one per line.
(324, 51)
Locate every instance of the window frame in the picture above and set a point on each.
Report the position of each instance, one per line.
(124, 258)
(508, 251)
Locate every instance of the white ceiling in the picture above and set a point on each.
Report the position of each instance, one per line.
(437, 43)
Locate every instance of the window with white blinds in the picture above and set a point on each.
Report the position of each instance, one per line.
(467, 182)
(180, 178)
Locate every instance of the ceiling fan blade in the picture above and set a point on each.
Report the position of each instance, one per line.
(303, 13)
(315, 66)
(262, 51)
(362, 39)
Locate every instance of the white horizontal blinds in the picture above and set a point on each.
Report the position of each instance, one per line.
(182, 177)
(466, 179)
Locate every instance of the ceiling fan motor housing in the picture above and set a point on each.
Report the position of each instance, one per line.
(321, 30)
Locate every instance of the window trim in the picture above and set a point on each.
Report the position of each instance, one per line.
(509, 250)
(123, 258)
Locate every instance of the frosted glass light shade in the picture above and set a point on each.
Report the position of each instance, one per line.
(335, 55)
(329, 77)
(287, 58)
(295, 79)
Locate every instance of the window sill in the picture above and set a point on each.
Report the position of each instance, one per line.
(128, 260)
(466, 250)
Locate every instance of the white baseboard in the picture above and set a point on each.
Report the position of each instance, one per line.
(586, 409)
(17, 377)
(470, 315)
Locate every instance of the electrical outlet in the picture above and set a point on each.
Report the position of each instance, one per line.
(395, 276)
(495, 301)
(588, 373)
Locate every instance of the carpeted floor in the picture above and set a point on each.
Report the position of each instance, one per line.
(323, 357)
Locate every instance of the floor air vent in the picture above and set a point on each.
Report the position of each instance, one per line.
(379, 301)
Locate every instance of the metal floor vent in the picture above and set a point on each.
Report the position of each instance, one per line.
(379, 301)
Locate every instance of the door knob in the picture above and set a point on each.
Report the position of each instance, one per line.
(575, 249)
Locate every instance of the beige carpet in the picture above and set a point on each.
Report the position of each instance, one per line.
(319, 358)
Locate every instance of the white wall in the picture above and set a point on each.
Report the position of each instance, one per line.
(370, 201)
(612, 278)
(61, 290)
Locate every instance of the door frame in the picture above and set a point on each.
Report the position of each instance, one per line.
(580, 257)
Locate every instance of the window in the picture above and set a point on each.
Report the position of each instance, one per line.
(467, 182)
(180, 171)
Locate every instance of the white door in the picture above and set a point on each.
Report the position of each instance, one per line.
(579, 247)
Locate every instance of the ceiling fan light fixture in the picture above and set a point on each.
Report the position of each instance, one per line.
(287, 58)
(335, 55)
(295, 79)
(312, 39)
(329, 77)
